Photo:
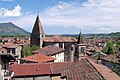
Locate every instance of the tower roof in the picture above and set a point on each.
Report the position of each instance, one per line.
(80, 39)
(38, 29)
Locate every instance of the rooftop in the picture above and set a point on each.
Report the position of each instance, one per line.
(49, 50)
(114, 58)
(40, 58)
(85, 69)
(31, 69)
(105, 71)
(59, 38)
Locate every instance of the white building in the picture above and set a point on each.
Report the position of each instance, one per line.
(53, 51)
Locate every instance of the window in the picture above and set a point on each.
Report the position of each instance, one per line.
(65, 47)
(60, 45)
(82, 50)
(42, 36)
(76, 50)
(71, 48)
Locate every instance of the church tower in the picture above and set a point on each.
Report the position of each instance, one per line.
(81, 47)
(80, 39)
(37, 33)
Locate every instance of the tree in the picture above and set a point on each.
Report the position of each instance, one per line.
(111, 48)
(27, 50)
(118, 46)
(34, 47)
(105, 50)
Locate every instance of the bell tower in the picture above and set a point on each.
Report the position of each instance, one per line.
(37, 33)
(80, 48)
(81, 45)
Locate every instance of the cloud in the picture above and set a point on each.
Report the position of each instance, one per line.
(7, 0)
(104, 5)
(92, 16)
(8, 13)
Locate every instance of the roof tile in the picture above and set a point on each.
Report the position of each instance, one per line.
(49, 50)
(40, 58)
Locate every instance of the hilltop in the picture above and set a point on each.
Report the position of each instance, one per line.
(117, 34)
(10, 29)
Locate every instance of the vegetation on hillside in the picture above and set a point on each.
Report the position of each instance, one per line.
(15, 35)
(117, 34)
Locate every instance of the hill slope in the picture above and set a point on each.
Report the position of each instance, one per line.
(11, 29)
(117, 34)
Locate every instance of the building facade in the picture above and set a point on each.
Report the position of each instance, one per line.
(73, 48)
(5, 71)
(52, 51)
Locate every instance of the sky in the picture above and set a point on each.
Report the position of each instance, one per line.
(63, 16)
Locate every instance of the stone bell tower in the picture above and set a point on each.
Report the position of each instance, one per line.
(37, 33)
(81, 45)
(80, 48)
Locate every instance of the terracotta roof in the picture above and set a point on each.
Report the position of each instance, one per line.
(37, 27)
(69, 39)
(105, 71)
(8, 45)
(81, 70)
(31, 69)
(11, 46)
(49, 50)
(59, 67)
(113, 58)
(59, 38)
(85, 69)
(40, 58)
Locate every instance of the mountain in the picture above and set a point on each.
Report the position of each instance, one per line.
(10, 29)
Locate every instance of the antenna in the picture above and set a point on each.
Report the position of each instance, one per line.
(38, 12)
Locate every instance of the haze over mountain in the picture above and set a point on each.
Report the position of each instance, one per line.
(11, 29)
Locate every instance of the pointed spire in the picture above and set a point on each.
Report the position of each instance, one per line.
(38, 29)
(80, 38)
